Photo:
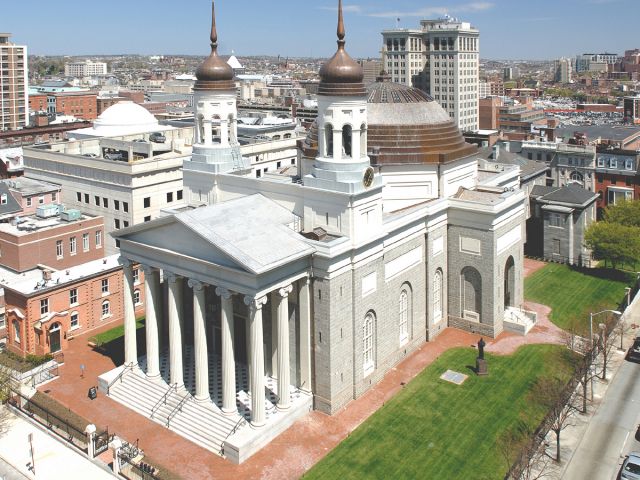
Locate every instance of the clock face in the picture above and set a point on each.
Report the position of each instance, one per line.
(368, 177)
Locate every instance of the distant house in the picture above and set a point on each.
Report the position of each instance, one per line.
(560, 217)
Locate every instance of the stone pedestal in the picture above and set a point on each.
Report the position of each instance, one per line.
(481, 367)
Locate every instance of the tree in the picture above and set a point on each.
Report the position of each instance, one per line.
(623, 213)
(614, 242)
(557, 397)
(524, 453)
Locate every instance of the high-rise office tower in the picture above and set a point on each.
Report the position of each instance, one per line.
(440, 58)
(14, 101)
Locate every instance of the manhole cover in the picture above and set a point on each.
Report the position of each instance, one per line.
(453, 377)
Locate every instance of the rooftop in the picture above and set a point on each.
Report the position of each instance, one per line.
(28, 186)
(32, 281)
(32, 223)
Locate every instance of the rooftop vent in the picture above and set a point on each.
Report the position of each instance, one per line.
(318, 234)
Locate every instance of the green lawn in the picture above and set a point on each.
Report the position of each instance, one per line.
(572, 294)
(113, 334)
(436, 430)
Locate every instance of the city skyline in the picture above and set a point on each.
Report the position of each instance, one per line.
(154, 27)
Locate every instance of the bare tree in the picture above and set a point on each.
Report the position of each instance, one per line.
(524, 453)
(557, 397)
(581, 360)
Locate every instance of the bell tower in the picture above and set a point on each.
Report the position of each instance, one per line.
(342, 163)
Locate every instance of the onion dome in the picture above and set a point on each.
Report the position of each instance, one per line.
(341, 75)
(214, 73)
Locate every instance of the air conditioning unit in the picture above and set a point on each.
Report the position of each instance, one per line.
(71, 215)
(47, 211)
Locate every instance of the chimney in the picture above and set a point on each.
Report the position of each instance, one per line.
(46, 275)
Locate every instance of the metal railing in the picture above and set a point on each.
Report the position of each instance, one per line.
(163, 401)
(178, 408)
(126, 368)
(235, 428)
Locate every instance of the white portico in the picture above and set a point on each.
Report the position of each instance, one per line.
(229, 281)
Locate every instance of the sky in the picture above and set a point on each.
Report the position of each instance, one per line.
(509, 29)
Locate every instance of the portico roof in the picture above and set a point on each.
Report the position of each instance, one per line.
(250, 233)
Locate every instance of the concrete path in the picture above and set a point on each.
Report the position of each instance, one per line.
(52, 459)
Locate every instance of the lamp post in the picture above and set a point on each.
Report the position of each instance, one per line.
(591, 315)
(603, 339)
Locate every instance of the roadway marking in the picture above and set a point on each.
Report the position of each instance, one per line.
(624, 443)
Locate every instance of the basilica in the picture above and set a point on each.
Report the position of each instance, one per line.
(268, 297)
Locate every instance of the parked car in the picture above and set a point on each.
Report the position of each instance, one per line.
(157, 137)
(114, 156)
(631, 467)
(139, 140)
(634, 351)
(90, 155)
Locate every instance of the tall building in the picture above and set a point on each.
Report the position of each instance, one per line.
(563, 68)
(589, 61)
(85, 69)
(442, 59)
(13, 84)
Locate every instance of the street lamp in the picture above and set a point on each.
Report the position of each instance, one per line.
(591, 315)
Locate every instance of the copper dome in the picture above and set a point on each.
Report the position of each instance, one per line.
(214, 73)
(341, 75)
(406, 126)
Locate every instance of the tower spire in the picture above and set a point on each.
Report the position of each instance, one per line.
(214, 31)
(340, 31)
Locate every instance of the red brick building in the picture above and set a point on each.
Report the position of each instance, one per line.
(45, 309)
(82, 105)
(38, 102)
(616, 176)
(51, 241)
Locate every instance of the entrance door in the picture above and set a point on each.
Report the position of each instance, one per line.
(54, 338)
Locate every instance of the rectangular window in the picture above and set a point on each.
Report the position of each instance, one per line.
(73, 296)
(179, 195)
(628, 164)
(59, 249)
(125, 206)
(147, 219)
(86, 198)
(613, 163)
(44, 306)
(125, 223)
(104, 285)
(72, 246)
(96, 200)
(105, 309)
(85, 242)
(78, 196)
(105, 202)
(3, 199)
(169, 197)
(54, 197)
(28, 201)
(117, 223)
(136, 275)
(147, 202)
(75, 322)
(98, 238)
(41, 200)
(116, 204)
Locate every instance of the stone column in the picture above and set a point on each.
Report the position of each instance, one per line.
(224, 133)
(130, 343)
(283, 348)
(228, 360)
(200, 342)
(90, 431)
(208, 134)
(275, 301)
(175, 330)
(257, 359)
(151, 287)
(115, 445)
(305, 334)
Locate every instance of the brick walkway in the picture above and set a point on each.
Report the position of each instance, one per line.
(293, 452)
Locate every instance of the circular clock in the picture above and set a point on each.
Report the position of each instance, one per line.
(367, 180)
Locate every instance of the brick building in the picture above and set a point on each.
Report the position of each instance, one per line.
(77, 104)
(45, 309)
(54, 241)
(37, 102)
(31, 194)
(616, 176)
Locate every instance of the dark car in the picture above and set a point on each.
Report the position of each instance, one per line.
(157, 137)
(634, 351)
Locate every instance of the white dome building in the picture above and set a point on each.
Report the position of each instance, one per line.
(123, 118)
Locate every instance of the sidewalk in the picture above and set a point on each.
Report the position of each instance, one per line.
(53, 459)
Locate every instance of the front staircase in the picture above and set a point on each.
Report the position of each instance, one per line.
(201, 423)
(518, 321)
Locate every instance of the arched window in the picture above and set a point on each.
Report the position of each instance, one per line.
(74, 320)
(328, 140)
(276, 137)
(363, 140)
(347, 137)
(577, 177)
(437, 296)
(106, 309)
(16, 331)
(136, 297)
(403, 317)
(368, 364)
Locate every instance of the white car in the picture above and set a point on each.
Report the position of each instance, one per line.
(631, 467)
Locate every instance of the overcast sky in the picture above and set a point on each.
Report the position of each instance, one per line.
(509, 29)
